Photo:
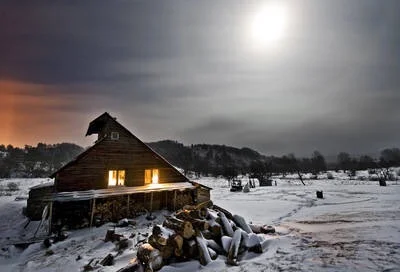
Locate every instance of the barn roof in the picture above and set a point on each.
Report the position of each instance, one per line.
(77, 159)
(95, 126)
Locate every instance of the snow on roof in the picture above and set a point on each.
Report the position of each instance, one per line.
(115, 191)
(43, 185)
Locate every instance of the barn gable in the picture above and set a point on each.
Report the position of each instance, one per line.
(116, 149)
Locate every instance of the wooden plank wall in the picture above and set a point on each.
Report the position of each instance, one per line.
(35, 202)
(126, 153)
(203, 194)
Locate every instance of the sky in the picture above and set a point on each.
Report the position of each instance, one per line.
(325, 75)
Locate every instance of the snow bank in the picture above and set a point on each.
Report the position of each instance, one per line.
(355, 227)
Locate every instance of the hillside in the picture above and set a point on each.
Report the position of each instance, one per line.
(206, 158)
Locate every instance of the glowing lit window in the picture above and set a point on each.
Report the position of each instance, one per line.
(116, 178)
(151, 176)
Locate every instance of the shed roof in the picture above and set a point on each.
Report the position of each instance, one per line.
(117, 191)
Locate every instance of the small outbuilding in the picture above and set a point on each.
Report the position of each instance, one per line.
(119, 176)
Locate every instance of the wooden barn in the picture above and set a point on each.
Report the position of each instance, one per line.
(119, 176)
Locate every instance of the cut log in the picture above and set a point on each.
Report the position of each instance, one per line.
(234, 248)
(108, 260)
(88, 266)
(200, 224)
(123, 244)
(226, 243)
(215, 228)
(212, 253)
(203, 213)
(254, 243)
(207, 234)
(267, 229)
(255, 228)
(202, 205)
(178, 244)
(190, 249)
(109, 235)
(244, 241)
(257, 248)
(215, 246)
(150, 257)
(205, 204)
(211, 214)
(189, 213)
(226, 225)
(166, 250)
(204, 254)
(184, 228)
(133, 267)
(240, 222)
(193, 216)
(161, 234)
(112, 236)
(220, 209)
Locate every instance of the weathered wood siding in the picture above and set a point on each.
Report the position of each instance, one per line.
(36, 202)
(203, 194)
(126, 153)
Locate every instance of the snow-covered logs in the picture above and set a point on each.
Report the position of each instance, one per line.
(200, 232)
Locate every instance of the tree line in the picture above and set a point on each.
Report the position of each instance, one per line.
(286, 164)
(202, 159)
(35, 161)
(221, 160)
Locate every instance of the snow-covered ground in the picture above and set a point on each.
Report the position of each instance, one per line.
(356, 227)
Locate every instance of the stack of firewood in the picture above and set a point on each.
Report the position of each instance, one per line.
(200, 232)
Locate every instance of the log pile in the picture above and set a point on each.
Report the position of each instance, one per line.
(201, 232)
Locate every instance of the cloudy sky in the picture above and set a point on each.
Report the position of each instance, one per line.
(321, 75)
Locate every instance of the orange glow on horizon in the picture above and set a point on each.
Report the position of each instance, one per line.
(33, 113)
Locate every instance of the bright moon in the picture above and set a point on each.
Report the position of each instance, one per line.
(269, 24)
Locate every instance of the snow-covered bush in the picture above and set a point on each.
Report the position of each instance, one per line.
(392, 176)
(329, 175)
(352, 173)
(313, 176)
(373, 177)
(12, 186)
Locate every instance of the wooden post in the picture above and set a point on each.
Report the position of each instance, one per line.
(174, 200)
(50, 216)
(127, 210)
(151, 201)
(93, 209)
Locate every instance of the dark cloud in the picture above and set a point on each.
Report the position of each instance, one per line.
(187, 70)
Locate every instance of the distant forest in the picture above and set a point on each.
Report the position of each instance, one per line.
(32, 162)
(201, 159)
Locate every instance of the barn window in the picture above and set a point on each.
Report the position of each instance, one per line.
(151, 176)
(116, 178)
(114, 135)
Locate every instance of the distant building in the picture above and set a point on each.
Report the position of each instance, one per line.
(119, 176)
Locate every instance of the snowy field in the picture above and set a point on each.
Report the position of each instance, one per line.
(356, 227)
